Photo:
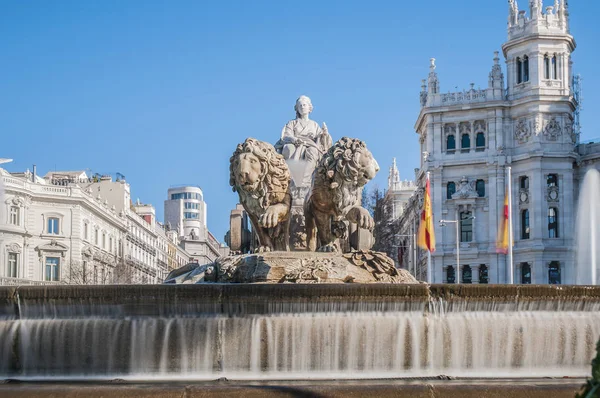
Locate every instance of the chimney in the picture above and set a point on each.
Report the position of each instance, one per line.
(34, 172)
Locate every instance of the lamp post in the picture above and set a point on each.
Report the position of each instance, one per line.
(443, 224)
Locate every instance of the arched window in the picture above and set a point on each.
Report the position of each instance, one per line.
(525, 273)
(480, 187)
(480, 141)
(546, 67)
(450, 274)
(465, 141)
(519, 67)
(554, 273)
(525, 68)
(553, 222)
(483, 274)
(450, 143)
(467, 274)
(554, 74)
(524, 182)
(525, 224)
(466, 226)
(450, 190)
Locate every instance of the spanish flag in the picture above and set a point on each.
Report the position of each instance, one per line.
(426, 232)
(502, 241)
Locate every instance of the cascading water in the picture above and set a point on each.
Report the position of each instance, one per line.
(488, 332)
(587, 231)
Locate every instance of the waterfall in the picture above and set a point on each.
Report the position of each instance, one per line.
(461, 331)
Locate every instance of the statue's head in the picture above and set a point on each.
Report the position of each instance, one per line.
(303, 106)
(255, 162)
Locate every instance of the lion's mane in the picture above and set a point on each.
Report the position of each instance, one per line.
(275, 175)
(338, 172)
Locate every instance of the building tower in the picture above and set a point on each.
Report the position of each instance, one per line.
(542, 140)
(185, 211)
(469, 137)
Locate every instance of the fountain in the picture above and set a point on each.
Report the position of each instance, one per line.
(342, 312)
(587, 230)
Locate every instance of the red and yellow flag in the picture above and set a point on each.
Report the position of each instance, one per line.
(426, 233)
(502, 241)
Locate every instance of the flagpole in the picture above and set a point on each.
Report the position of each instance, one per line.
(510, 229)
(429, 251)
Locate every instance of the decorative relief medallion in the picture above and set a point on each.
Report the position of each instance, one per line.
(13, 248)
(552, 130)
(524, 196)
(552, 194)
(522, 131)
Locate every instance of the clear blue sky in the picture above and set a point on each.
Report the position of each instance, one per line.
(162, 91)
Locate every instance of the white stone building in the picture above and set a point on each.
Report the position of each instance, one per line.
(55, 231)
(528, 122)
(68, 228)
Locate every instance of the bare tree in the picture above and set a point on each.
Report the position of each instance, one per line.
(381, 208)
(87, 273)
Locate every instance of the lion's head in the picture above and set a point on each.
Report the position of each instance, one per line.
(257, 169)
(348, 160)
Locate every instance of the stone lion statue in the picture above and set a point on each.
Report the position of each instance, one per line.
(261, 178)
(336, 192)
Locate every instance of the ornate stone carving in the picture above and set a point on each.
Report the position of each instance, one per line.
(53, 246)
(552, 130)
(297, 229)
(13, 248)
(552, 194)
(15, 201)
(261, 178)
(523, 196)
(465, 190)
(337, 186)
(522, 131)
(465, 128)
(295, 267)
(479, 126)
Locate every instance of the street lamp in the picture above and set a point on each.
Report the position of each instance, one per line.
(443, 224)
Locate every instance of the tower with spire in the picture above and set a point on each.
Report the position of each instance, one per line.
(522, 119)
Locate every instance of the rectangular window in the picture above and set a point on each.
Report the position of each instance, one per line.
(525, 224)
(483, 274)
(14, 215)
(553, 222)
(519, 67)
(554, 273)
(466, 227)
(524, 182)
(467, 274)
(13, 265)
(53, 226)
(480, 188)
(95, 274)
(450, 275)
(110, 244)
(103, 240)
(52, 269)
(525, 273)
(86, 229)
(552, 180)
(96, 235)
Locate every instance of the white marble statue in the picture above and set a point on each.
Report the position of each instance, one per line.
(302, 138)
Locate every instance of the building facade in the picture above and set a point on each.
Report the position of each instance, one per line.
(528, 122)
(55, 231)
(68, 228)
